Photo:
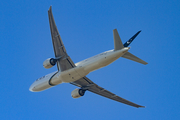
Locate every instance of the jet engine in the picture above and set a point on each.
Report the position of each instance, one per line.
(48, 63)
(77, 93)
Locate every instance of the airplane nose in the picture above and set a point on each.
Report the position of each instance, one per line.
(31, 89)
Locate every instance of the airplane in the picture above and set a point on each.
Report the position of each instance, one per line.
(75, 73)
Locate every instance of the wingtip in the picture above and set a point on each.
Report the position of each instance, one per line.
(145, 63)
(50, 8)
(142, 107)
(115, 29)
(139, 31)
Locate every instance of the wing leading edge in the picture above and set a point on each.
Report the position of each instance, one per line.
(87, 84)
(64, 62)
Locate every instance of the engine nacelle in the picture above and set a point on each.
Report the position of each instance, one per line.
(48, 63)
(77, 93)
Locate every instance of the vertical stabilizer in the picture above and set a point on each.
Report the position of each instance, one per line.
(117, 41)
(126, 44)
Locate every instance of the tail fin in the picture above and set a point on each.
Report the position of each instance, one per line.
(119, 45)
(126, 44)
(117, 40)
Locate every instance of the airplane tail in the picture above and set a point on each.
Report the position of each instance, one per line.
(119, 45)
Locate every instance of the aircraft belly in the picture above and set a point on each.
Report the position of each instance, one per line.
(55, 79)
(70, 75)
(91, 66)
(45, 85)
(111, 58)
(108, 60)
(80, 70)
(102, 61)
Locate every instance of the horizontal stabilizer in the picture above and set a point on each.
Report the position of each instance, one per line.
(117, 41)
(132, 57)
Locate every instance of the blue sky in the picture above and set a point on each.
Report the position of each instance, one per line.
(86, 30)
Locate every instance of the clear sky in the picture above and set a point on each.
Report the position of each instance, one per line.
(86, 30)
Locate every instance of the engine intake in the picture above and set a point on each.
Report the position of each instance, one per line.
(77, 93)
(50, 62)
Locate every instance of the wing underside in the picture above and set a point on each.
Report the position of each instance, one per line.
(87, 84)
(64, 62)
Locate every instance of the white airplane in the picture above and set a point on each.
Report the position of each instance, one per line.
(75, 74)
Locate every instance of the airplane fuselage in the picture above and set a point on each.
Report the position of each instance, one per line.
(75, 74)
(82, 69)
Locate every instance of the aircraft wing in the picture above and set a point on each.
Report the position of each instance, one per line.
(64, 62)
(87, 84)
